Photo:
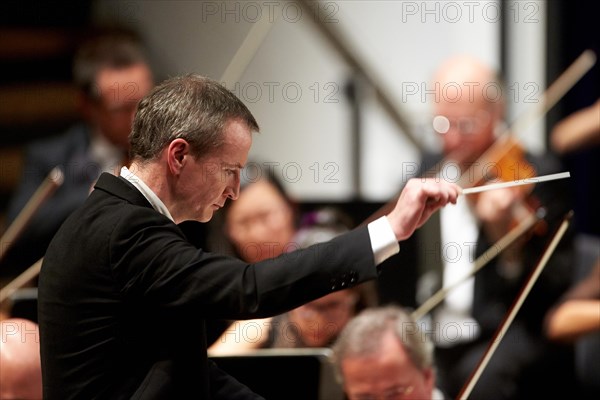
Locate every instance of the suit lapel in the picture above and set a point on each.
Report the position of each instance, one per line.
(194, 231)
(119, 187)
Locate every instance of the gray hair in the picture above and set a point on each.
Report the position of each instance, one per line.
(363, 334)
(191, 107)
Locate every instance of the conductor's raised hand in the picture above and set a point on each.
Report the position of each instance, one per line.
(419, 199)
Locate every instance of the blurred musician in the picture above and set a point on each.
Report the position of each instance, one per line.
(469, 111)
(112, 74)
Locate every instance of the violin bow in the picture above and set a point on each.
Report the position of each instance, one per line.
(567, 79)
(342, 46)
(557, 90)
(481, 261)
(23, 279)
(247, 50)
(52, 181)
(468, 387)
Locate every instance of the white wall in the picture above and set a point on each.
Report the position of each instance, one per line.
(525, 72)
(301, 107)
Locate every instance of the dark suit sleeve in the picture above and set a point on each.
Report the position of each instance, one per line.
(225, 387)
(152, 261)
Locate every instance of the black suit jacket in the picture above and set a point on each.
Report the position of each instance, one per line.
(123, 294)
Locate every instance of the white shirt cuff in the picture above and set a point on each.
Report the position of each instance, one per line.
(383, 240)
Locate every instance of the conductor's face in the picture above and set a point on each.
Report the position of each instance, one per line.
(205, 183)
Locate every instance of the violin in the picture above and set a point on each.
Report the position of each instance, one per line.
(505, 161)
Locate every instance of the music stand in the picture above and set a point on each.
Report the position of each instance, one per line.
(285, 373)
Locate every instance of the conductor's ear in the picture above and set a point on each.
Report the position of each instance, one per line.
(178, 152)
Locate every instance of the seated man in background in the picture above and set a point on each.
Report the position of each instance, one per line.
(20, 366)
(383, 354)
(111, 73)
(469, 113)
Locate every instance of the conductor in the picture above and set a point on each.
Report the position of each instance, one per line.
(125, 289)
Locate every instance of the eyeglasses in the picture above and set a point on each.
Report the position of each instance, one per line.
(395, 393)
(467, 125)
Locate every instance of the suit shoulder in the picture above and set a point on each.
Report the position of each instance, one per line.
(60, 147)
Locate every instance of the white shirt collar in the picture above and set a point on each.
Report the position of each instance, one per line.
(437, 394)
(152, 198)
(108, 156)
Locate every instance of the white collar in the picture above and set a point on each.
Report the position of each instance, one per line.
(152, 198)
(437, 394)
(108, 156)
